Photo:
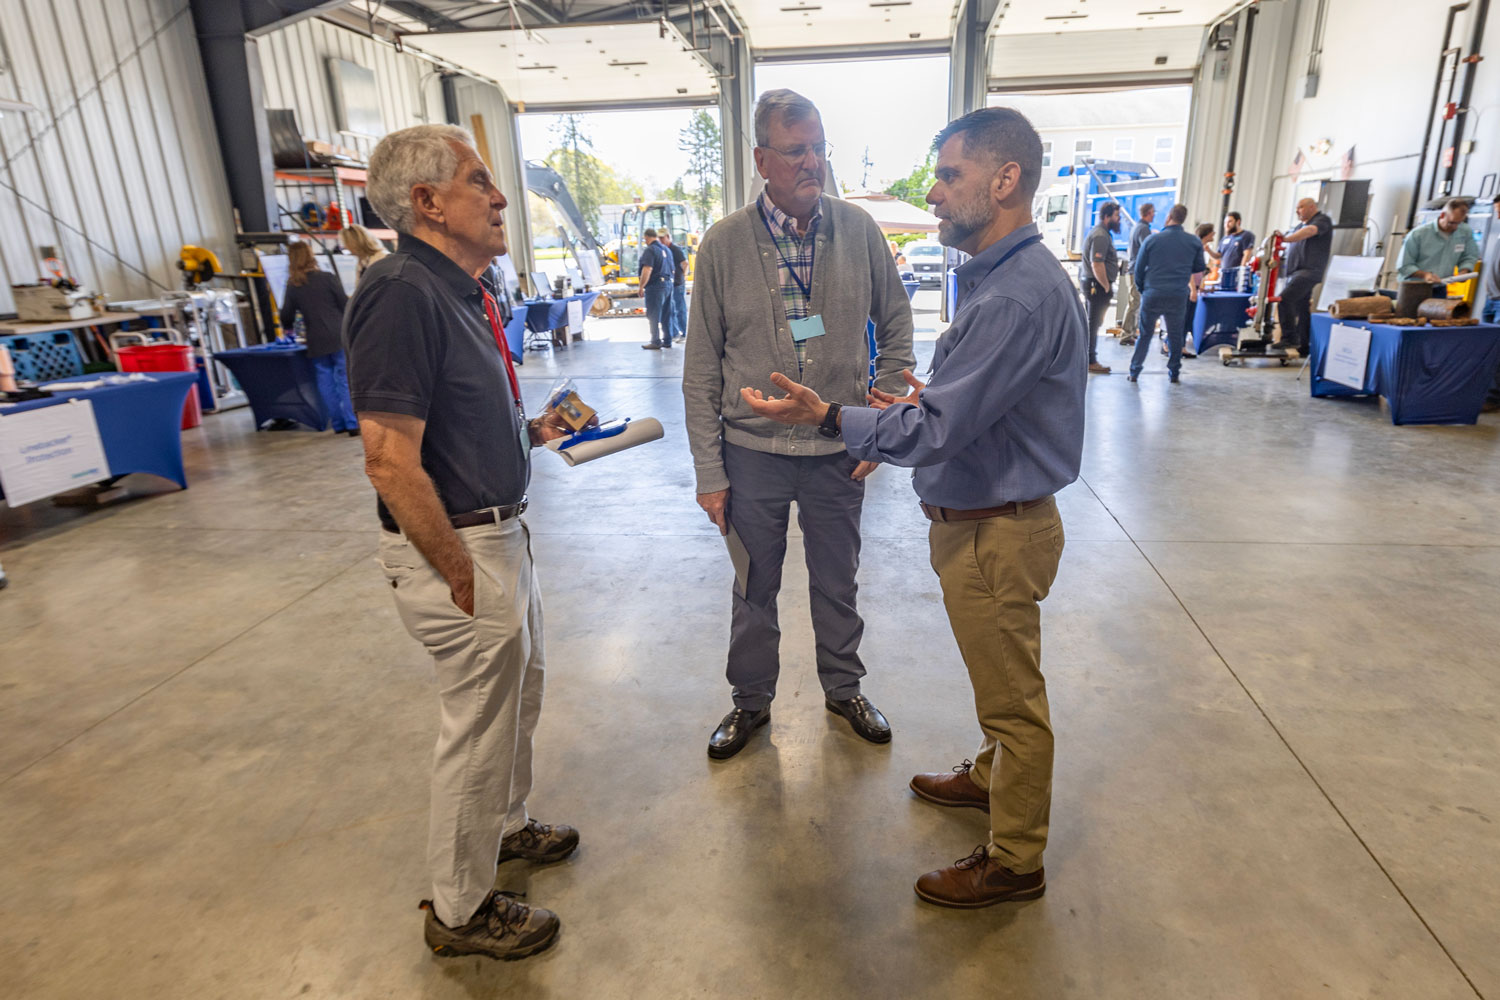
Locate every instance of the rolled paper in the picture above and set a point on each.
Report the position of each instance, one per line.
(637, 432)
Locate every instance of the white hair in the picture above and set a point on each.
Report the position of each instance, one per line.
(422, 154)
(785, 106)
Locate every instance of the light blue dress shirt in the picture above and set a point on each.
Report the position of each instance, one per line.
(1001, 419)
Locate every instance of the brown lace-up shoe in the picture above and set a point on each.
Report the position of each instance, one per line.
(956, 789)
(539, 842)
(979, 880)
(502, 928)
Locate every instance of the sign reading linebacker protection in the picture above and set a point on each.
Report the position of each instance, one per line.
(50, 450)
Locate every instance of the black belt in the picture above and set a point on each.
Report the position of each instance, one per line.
(1005, 510)
(476, 518)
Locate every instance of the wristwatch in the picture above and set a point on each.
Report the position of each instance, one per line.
(830, 425)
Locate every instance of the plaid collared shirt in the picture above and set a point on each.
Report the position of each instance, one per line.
(793, 256)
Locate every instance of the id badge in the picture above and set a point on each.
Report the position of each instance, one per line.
(806, 329)
(525, 434)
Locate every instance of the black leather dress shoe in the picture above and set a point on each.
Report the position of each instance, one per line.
(735, 731)
(864, 718)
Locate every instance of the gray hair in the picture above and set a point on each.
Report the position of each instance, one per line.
(785, 106)
(422, 154)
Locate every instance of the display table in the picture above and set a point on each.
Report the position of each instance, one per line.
(280, 383)
(1218, 319)
(546, 315)
(138, 422)
(1428, 375)
(911, 287)
(515, 332)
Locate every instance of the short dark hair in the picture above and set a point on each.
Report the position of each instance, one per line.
(1005, 135)
(1177, 216)
(1204, 229)
(649, 234)
(1146, 209)
(1233, 215)
(1108, 208)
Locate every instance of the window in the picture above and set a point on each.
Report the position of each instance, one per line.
(1163, 149)
(923, 250)
(1083, 147)
(1047, 153)
(1124, 148)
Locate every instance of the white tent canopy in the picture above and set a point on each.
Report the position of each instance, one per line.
(894, 215)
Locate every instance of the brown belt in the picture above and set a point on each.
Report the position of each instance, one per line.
(1006, 510)
(490, 515)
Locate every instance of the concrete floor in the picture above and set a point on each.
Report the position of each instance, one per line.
(1271, 653)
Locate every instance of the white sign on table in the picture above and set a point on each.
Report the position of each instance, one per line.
(575, 316)
(1348, 355)
(50, 450)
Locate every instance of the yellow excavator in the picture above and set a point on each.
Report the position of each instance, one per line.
(622, 259)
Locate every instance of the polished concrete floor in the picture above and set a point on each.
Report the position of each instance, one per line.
(1272, 662)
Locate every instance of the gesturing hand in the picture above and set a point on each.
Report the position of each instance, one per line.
(882, 400)
(800, 405)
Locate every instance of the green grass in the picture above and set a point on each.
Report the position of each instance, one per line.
(553, 253)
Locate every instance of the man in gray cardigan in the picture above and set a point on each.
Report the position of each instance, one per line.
(789, 283)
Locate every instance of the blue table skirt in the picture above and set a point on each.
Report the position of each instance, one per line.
(140, 423)
(1428, 375)
(515, 332)
(550, 314)
(280, 383)
(1218, 319)
(911, 288)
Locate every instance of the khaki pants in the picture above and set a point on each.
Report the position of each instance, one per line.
(1127, 304)
(994, 574)
(489, 671)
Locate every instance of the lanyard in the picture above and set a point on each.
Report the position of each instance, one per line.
(806, 289)
(492, 312)
(1028, 241)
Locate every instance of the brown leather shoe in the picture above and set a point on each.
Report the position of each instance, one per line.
(979, 880)
(956, 789)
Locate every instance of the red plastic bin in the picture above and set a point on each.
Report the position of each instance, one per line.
(164, 358)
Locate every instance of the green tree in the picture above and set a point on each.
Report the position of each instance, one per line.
(914, 186)
(577, 166)
(704, 144)
(589, 176)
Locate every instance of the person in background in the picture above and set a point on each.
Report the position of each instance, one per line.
(359, 241)
(1491, 289)
(1306, 263)
(676, 309)
(1440, 248)
(993, 435)
(790, 282)
(1169, 271)
(1205, 232)
(1236, 245)
(656, 289)
(1100, 267)
(897, 255)
(319, 297)
(1130, 301)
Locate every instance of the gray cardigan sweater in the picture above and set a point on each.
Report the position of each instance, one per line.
(738, 333)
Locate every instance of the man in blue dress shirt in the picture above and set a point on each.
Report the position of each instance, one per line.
(996, 431)
(1168, 271)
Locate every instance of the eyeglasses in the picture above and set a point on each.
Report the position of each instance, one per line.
(795, 155)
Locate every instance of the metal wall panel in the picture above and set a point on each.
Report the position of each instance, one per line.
(119, 166)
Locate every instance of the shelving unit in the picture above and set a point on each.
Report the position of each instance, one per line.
(311, 185)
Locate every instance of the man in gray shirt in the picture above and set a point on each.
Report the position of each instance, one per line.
(788, 283)
(1101, 265)
(1131, 302)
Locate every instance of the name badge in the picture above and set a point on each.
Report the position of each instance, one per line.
(806, 329)
(525, 434)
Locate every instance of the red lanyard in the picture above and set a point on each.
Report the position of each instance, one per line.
(493, 312)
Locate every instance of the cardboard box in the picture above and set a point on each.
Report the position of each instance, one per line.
(45, 304)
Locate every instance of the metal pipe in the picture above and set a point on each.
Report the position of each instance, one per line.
(1471, 70)
(1437, 89)
(1239, 107)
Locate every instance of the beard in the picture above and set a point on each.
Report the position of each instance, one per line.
(1114, 226)
(964, 221)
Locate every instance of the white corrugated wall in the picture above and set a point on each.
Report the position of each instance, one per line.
(119, 166)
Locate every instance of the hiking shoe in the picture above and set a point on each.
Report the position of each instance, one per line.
(539, 842)
(502, 928)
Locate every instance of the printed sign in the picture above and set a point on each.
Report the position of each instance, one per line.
(50, 450)
(1348, 354)
(575, 316)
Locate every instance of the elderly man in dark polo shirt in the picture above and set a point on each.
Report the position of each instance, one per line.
(447, 447)
(995, 433)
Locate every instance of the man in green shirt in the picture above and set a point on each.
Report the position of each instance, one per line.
(1441, 248)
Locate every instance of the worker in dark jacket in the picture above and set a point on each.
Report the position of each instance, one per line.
(320, 298)
(1168, 271)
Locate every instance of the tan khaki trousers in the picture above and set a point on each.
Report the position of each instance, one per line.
(994, 574)
(1127, 304)
(489, 671)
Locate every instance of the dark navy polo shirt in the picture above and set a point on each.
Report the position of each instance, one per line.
(419, 344)
(1167, 262)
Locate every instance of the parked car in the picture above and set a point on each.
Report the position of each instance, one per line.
(925, 258)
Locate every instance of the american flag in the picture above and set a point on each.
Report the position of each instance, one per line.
(1297, 163)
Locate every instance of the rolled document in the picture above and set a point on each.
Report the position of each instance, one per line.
(635, 432)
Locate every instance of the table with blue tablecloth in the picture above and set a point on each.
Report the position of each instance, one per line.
(139, 421)
(546, 315)
(1218, 319)
(1428, 374)
(280, 382)
(515, 332)
(911, 287)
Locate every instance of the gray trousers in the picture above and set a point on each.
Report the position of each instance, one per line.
(761, 489)
(489, 670)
